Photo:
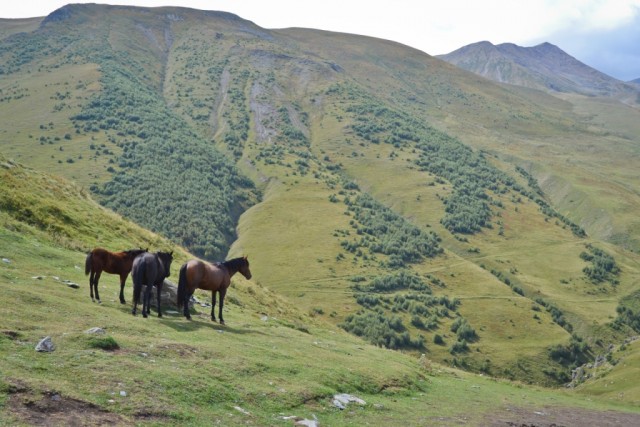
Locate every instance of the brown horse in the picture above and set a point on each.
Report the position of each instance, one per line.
(197, 274)
(99, 260)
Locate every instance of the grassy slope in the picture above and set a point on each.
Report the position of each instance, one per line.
(290, 236)
(270, 360)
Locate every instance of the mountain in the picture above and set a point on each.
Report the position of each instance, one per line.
(544, 67)
(409, 202)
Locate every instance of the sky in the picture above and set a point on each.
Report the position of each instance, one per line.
(604, 34)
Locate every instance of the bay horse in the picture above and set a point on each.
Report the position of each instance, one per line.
(99, 260)
(196, 274)
(149, 269)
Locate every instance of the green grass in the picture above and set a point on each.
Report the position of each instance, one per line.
(271, 359)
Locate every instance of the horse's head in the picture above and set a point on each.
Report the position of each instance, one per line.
(244, 268)
(166, 258)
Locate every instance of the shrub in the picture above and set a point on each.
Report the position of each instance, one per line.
(104, 343)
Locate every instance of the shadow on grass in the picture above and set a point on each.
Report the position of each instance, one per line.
(173, 319)
(180, 324)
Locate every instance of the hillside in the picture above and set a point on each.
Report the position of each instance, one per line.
(270, 365)
(374, 187)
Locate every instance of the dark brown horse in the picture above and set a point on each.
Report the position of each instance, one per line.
(197, 274)
(99, 260)
(149, 269)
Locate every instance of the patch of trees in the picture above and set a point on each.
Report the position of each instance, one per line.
(468, 208)
(381, 330)
(381, 230)
(603, 266)
(387, 300)
(170, 180)
(628, 313)
(571, 355)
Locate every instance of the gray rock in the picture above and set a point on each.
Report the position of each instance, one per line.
(46, 345)
(6, 260)
(95, 331)
(342, 400)
(169, 296)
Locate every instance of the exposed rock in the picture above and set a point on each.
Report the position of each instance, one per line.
(169, 296)
(244, 411)
(46, 345)
(299, 421)
(6, 260)
(342, 400)
(96, 331)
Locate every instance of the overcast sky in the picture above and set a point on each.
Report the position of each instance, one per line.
(604, 34)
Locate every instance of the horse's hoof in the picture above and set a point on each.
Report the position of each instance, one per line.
(99, 302)
(123, 301)
(222, 322)
(159, 314)
(188, 317)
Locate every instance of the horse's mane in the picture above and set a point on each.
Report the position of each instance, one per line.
(235, 263)
(136, 251)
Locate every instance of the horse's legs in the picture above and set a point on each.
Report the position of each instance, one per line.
(223, 292)
(135, 299)
(213, 305)
(91, 279)
(145, 301)
(159, 289)
(123, 278)
(185, 309)
(96, 278)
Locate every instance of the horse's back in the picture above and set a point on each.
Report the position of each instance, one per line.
(206, 276)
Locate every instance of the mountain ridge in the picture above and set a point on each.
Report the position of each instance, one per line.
(544, 66)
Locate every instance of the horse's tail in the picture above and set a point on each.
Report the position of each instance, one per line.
(87, 263)
(138, 279)
(182, 286)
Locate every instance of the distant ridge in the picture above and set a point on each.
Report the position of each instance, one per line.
(544, 67)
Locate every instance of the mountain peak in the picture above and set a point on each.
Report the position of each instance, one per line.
(544, 66)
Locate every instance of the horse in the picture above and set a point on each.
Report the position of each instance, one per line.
(196, 274)
(149, 269)
(99, 260)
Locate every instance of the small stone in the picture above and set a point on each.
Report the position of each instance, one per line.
(6, 260)
(123, 393)
(45, 345)
(73, 285)
(244, 411)
(37, 277)
(96, 331)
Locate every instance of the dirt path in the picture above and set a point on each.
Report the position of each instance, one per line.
(559, 416)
